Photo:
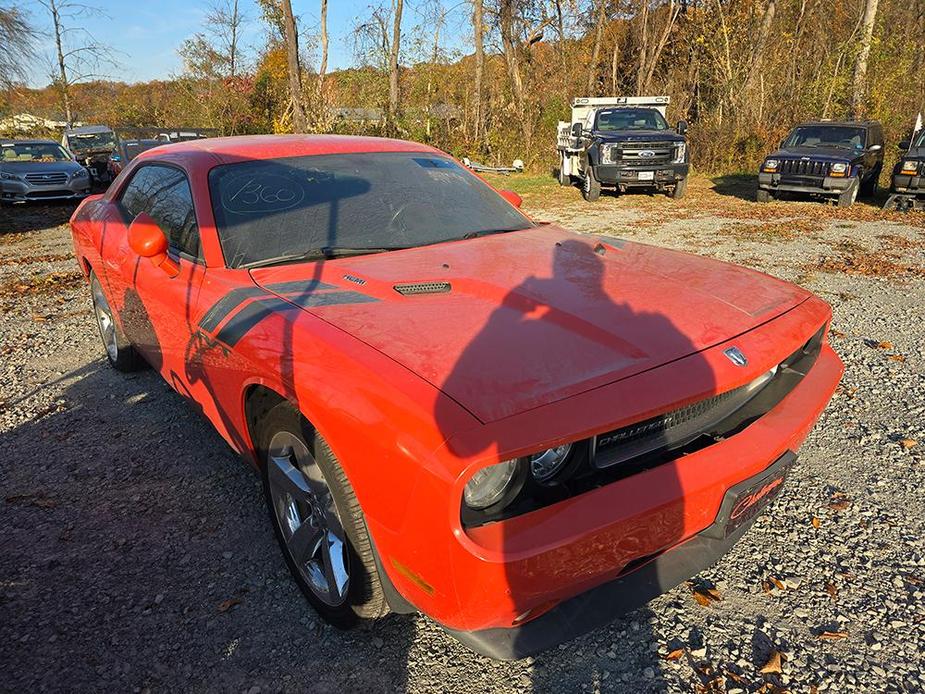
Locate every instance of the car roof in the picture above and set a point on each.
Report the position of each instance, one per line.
(27, 142)
(840, 123)
(88, 130)
(226, 150)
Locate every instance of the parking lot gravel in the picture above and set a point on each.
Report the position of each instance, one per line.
(137, 554)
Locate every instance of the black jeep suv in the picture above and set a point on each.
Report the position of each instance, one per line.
(907, 187)
(835, 160)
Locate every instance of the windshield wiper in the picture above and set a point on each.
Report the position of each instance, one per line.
(485, 232)
(324, 253)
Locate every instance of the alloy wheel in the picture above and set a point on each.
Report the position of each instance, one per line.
(105, 321)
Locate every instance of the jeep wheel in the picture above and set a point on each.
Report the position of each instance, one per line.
(763, 195)
(869, 187)
(590, 187)
(847, 198)
(680, 188)
(318, 521)
(564, 179)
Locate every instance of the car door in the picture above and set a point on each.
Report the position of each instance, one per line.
(158, 310)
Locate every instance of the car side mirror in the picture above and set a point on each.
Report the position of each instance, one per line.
(511, 197)
(682, 127)
(874, 148)
(576, 130)
(905, 144)
(148, 240)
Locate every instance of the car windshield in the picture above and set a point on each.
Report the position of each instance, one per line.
(34, 152)
(826, 136)
(92, 141)
(920, 140)
(281, 209)
(133, 148)
(630, 119)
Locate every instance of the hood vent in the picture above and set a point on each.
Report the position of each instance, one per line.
(422, 288)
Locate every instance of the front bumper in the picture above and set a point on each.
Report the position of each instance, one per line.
(599, 606)
(908, 185)
(23, 191)
(662, 175)
(814, 185)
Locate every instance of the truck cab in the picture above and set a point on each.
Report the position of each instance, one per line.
(623, 143)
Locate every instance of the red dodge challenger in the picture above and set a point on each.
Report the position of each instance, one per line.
(514, 429)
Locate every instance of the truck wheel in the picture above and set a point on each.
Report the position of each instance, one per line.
(680, 188)
(564, 179)
(763, 195)
(847, 198)
(591, 187)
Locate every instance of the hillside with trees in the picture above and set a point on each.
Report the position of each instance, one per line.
(741, 72)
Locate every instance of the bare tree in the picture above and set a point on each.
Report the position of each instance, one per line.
(859, 85)
(291, 37)
(596, 51)
(216, 52)
(393, 62)
(323, 65)
(17, 45)
(478, 30)
(79, 57)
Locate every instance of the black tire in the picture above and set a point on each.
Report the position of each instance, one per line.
(119, 351)
(847, 198)
(869, 187)
(680, 189)
(363, 599)
(763, 195)
(564, 180)
(590, 186)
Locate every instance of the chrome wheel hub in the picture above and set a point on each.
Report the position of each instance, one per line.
(105, 321)
(310, 524)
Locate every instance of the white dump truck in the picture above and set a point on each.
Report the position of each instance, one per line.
(622, 142)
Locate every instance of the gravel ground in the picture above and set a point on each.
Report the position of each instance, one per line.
(136, 552)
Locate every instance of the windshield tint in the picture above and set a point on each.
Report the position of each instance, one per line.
(134, 148)
(826, 136)
(297, 205)
(92, 141)
(34, 152)
(920, 140)
(630, 119)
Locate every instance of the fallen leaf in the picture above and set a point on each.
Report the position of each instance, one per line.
(777, 582)
(831, 590)
(836, 333)
(833, 635)
(897, 357)
(39, 500)
(675, 654)
(774, 664)
(766, 586)
(884, 344)
(39, 319)
(704, 596)
(702, 599)
(816, 522)
(226, 605)
(908, 443)
(839, 502)
(738, 679)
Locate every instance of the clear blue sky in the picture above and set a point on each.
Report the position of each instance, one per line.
(146, 33)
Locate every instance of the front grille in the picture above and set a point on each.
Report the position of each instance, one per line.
(47, 179)
(802, 167)
(640, 154)
(422, 288)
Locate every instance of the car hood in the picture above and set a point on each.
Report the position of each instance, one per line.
(21, 168)
(638, 136)
(816, 153)
(531, 317)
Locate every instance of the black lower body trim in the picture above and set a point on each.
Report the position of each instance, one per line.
(600, 606)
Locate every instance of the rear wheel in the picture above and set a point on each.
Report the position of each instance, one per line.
(763, 195)
(680, 188)
(119, 351)
(590, 187)
(847, 198)
(318, 521)
(564, 178)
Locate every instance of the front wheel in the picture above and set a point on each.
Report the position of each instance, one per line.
(564, 178)
(869, 187)
(680, 188)
(763, 195)
(119, 351)
(590, 187)
(847, 198)
(318, 521)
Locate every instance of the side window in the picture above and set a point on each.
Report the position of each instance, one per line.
(164, 193)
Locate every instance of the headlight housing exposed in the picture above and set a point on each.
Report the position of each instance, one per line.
(770, 165)
(839, 169)
(680, 152)
(909, 167)
(9, 177)
(493, 485)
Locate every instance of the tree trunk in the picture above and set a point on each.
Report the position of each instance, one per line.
(295, 70)
(763, 33)
(478, 29)
(614, 63)
(596, 51)
(657, 53)
(233, 43)
(62, 67)
(859, 88)
(511, 53)
(393, 65)
(644, 48)
(323, 65)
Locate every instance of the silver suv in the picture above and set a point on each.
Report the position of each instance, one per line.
(40, 170)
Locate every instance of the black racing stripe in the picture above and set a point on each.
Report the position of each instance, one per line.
(228, 303)
(332, 299)
(299, 286)
(248, 317)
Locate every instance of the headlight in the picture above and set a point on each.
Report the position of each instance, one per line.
(839, 169)
(547, 464)
(909, 167)
(770, 165)
(679, 153)
(80, 173)
(610, 154)
(9, 177)
(492, 484)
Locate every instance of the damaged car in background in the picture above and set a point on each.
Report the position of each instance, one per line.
(92, 146)
(514, 429)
